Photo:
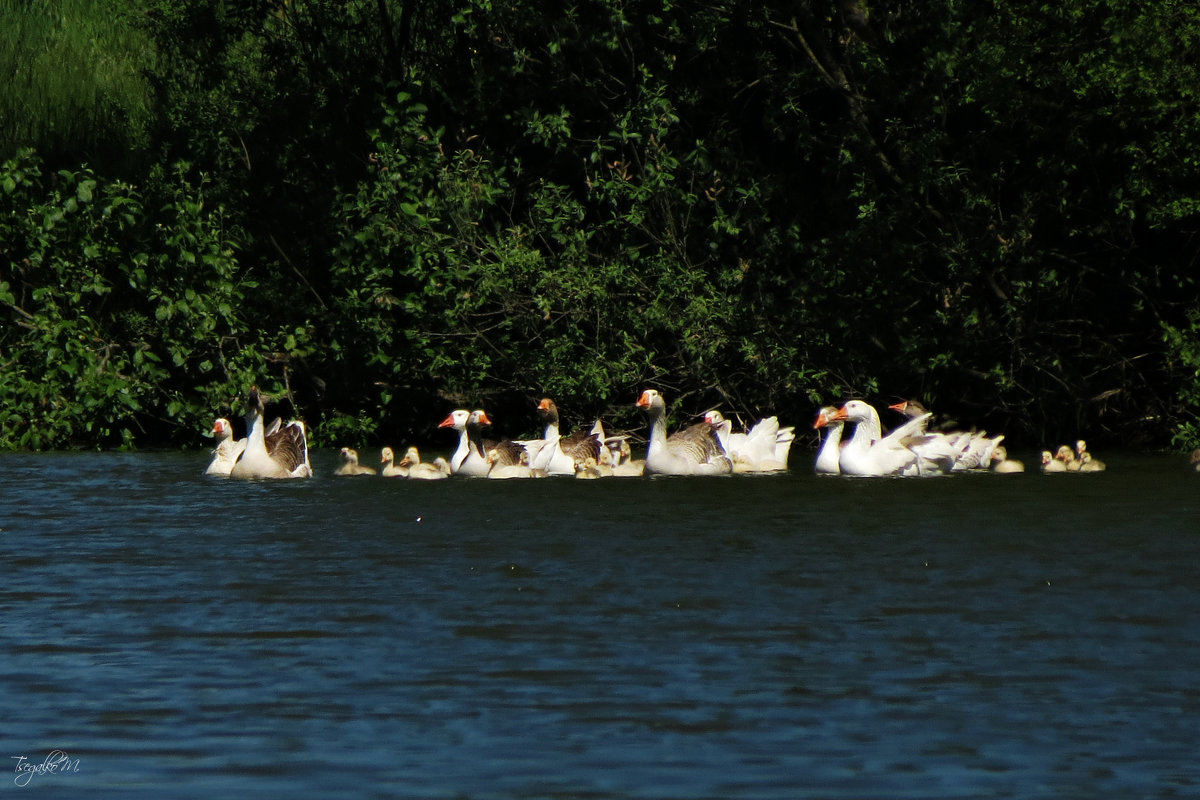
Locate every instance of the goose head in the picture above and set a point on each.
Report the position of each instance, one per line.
(456, 419)
(548, 411)
(909, 408)
(650, 400)
(825, 415)
(349, 455)
(222, 429)
(853, 411)
(254, 403)
(412, 457)
(387, 456)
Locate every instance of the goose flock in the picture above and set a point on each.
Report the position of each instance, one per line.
(709, 447)
(912, 449)
(270, 450)
(909, 450)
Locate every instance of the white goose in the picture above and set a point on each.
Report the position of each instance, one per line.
(692, 451)
(763, 448)
(350, 465)
(467, 460)
(827, 456)
(281, 453)
(226, 453)
(949, 451)
(869, 452)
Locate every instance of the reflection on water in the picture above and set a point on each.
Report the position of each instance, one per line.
(744, 637)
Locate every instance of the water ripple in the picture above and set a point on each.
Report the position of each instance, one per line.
(734, 639)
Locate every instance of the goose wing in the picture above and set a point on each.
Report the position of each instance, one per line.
(508, 453)
(696, 443)
(580, 446)
(288, 447)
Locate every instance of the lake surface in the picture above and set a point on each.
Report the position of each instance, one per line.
(1022, 636)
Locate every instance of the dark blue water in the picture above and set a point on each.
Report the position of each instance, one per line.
(743, 637)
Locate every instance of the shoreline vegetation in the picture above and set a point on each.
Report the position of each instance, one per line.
(384, 210)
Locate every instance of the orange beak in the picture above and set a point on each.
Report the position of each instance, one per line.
(483, 418)
(644, 400)
(841, 414)
(448, 422)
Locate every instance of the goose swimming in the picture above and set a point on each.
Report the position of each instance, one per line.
(282, 453)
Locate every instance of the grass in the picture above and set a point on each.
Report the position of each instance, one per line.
(71, 80)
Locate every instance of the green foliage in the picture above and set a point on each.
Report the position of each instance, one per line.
(460, 276)
(391, 207)
(129, 323)
(1183, 357)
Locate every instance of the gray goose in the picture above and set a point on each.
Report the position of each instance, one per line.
(507, 453)
(280, 453)
(695, 450)
(560, 454)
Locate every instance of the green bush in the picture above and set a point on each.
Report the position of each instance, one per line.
(129, 323)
